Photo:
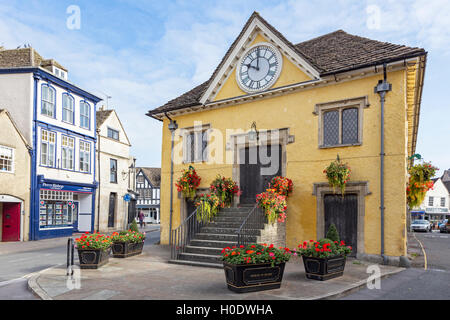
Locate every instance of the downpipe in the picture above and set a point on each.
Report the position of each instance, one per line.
(382, 88)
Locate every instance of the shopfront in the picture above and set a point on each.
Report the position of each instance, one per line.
(64, 209)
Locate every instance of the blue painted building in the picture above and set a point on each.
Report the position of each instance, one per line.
(58, 120)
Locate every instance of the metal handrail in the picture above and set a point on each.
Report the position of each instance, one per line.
(182, 235)
(254, 220)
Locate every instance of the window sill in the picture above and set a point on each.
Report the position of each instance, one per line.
(341, 145)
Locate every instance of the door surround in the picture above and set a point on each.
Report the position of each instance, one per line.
(266, 138)
(361, 189)
(10, 198)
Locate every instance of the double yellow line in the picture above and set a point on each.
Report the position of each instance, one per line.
(423, 250)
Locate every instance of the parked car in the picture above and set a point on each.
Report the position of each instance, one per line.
(421, 225)
(444, 226)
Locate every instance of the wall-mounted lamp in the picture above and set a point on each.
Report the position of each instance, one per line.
(253, 134)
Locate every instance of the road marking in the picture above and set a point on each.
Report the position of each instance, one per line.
(423, 250)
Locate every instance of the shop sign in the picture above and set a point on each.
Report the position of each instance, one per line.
(62, 187)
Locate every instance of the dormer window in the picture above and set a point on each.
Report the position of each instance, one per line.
(59, 73)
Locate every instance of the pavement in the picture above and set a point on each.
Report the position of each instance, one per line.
(149, 276)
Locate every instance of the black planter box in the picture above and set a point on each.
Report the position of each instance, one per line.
(93, 258)
(253, 277)
(324, 268)
(126, 249)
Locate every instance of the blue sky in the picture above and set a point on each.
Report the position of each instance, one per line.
(143, 53)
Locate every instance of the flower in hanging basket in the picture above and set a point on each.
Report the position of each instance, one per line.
(282, 185)
(207, 207)
(274, 205)
(338, 174)
(225, 189)
(188, 183)
(419, 183)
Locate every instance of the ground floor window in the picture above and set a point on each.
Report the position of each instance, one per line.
(55, 213)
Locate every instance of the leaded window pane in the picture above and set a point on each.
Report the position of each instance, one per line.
(331, 128)
(350, 125)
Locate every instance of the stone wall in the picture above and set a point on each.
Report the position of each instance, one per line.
(273, 233)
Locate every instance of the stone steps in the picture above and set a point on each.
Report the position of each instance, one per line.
(205, 249)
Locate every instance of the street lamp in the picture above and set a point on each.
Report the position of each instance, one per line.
(172, 127)
(253, 134)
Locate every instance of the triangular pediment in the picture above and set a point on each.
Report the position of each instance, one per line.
(295, 68)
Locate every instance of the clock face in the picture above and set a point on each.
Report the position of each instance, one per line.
(259, 68)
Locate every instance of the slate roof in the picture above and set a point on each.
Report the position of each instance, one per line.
(152, 174)
(25, 57)
(331, 53)
(101, 116)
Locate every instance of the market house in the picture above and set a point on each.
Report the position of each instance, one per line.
(322, 96)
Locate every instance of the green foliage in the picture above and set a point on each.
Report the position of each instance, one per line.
(93, 241)
(332, 233)
(419, 183)
(324, 248)
(338, 174)
(256, 253)
(207, 207)
(134, 226)
(128, 236)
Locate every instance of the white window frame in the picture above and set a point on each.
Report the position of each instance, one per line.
(85, 114)
(48, 138)
(67, 153)
(85, 156)
(47, 101)
(68, 109)
(4, 159)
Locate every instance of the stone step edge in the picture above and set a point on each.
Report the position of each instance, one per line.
(197, 264)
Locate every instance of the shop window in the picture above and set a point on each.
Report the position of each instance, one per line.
(48, 140)
(67, 151)
(55, 209)
(6, 159)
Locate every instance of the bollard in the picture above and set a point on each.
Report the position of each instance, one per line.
(70, 256)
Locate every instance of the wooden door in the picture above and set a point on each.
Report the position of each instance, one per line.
(254, 170)
(11, 222)
(343, 212)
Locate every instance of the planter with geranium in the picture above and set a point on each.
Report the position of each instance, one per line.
(273, 204)
(338, 174)
(127, 243)
(188, 183)
(93, 250)
(254, 267)
(324, 259)
(225, 189)
(419, 183)
(208, 205)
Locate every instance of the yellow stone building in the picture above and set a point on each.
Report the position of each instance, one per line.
(313, 100)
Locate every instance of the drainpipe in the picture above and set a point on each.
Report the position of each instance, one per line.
(98, 200)
(172, 127)
(382, 88)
